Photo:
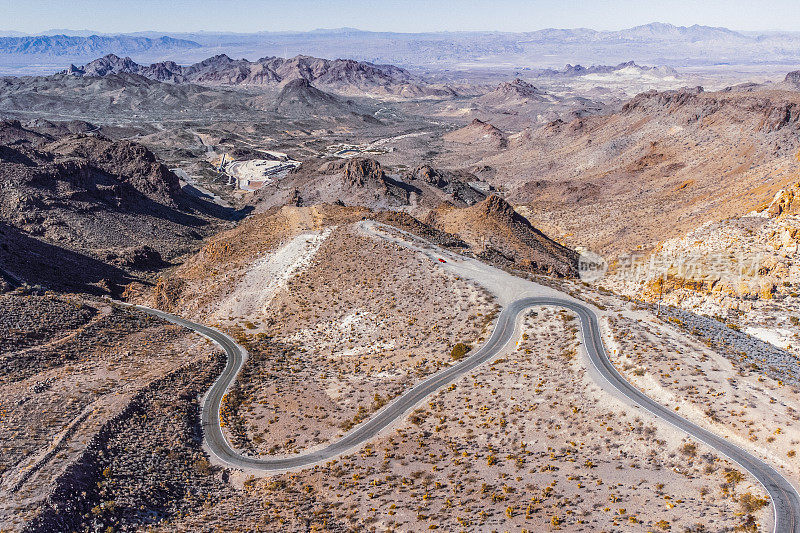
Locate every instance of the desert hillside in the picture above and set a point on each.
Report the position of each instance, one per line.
(667, 162)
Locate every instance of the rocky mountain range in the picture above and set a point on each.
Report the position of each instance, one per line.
(125, 94)
(69, 45)
(115, 94)
(339, 76)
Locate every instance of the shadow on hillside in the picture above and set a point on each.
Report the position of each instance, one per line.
(53, 267)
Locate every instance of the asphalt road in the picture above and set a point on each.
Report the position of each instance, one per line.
(785, 499)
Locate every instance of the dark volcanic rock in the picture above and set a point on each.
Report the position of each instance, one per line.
(793, 78)
(61, 129)
(454, 183)
(14, 133)
(79, 212)
(299, 99)
(29, 260)
(367, 174)
(126, 161)
(136, 258)
(359, 172)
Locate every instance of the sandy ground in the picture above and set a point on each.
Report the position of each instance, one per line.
(752, 409)
(527, 443)
(47, 419)
(538, 405)
(362, 323)
(270, 273)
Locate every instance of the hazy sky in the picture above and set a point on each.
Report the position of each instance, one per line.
(390, 15)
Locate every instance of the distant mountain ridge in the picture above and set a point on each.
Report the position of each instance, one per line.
(59, 45)
(344, 76)
(655, 43)
(573, 71)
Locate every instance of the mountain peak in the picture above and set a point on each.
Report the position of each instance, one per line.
(496, 206)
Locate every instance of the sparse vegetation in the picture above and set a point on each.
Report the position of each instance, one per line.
(459, 351)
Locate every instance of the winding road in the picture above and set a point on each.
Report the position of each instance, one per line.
(785, 499)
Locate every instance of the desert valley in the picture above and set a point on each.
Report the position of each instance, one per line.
(469, 290)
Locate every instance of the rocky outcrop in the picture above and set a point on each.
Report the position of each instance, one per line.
(666, 99)
(367, 174)
(693, 105)
(456, 184)
(516, 92)
(12, 132)
(136, 258)
(787, 203)
(299, 99)
(574, 71)
(83, 212)
(793, 79)
(127, 162)
(501, 235)
(360, 172)
(496, 207)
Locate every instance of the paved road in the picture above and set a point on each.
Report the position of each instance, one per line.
(785, 499)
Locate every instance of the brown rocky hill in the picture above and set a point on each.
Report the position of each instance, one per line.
(787, 202)
(478, 133)
(301, 100)
(497, 231)
(100, 206)
(341, 76)
(364, 182)
(357, 181)
(664, 164)
(516, 92)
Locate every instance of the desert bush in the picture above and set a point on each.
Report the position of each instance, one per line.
(459, 351)
(751, 503)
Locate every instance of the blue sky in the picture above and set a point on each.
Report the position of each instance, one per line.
(390, 15)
